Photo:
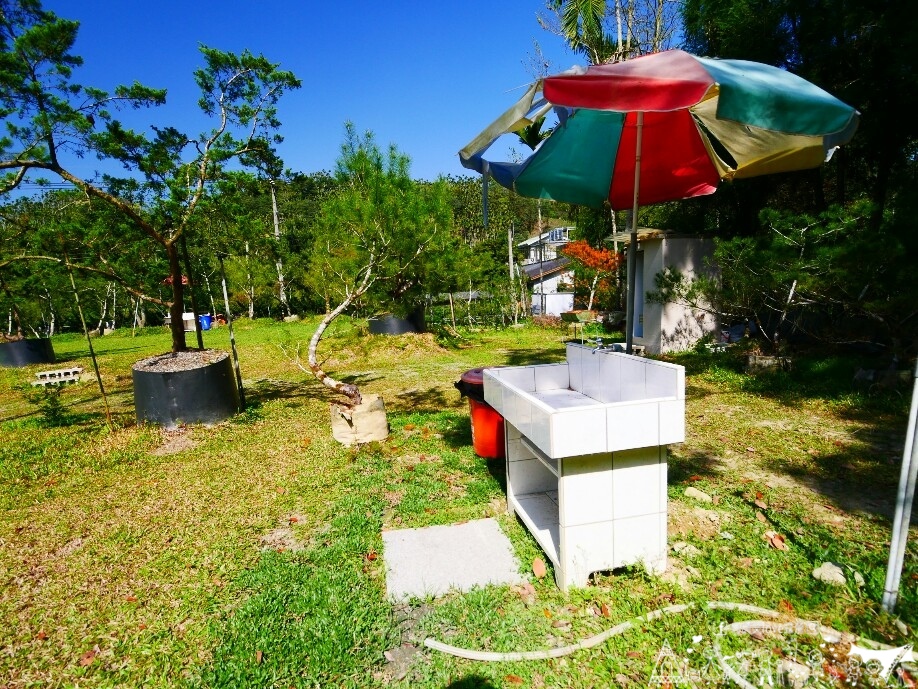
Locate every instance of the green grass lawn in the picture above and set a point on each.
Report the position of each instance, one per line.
(250, 554)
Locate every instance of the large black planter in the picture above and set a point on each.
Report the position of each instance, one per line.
(19, 353)
(206, 394)
(387, 324)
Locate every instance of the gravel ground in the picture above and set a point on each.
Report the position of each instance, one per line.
(180, 361)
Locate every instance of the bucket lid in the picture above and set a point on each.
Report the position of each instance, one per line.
(473, 376)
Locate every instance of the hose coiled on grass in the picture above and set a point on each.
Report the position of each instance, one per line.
(798, 625)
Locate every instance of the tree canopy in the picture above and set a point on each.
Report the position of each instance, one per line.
(50, 120)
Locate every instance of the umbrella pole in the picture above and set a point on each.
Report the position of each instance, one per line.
(632, 246)
(904, 499)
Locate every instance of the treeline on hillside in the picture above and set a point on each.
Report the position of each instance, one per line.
(270, 258)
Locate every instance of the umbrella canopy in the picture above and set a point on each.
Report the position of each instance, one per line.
(694, 121)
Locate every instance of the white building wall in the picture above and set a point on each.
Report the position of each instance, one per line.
(674, 327)
(555, 302)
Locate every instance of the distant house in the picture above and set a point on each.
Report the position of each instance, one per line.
(670, 327)
(545, 246)
(549, 276)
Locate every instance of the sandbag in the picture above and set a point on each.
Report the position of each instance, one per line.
(365, 423)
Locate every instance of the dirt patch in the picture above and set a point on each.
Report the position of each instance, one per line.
(283, 537)
(174, 441)
(69, 548)
(703, 524)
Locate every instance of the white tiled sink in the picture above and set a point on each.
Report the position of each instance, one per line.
(597, 401)
(586, 453)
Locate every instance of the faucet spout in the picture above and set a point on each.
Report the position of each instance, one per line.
(602, 346)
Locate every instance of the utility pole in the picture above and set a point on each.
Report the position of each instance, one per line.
(541, 260)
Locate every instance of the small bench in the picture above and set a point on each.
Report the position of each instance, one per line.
(58, 376)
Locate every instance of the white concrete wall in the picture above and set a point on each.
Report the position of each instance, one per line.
(556, 303)
(674, 327)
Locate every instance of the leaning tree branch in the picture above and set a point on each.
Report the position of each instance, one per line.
(348, 389)
(17, 180)
(90, 190)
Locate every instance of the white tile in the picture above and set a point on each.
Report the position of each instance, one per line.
(575, 367)
(551, 377)
(664, 480)
(540, 515)
(540, 429)
(519, 412)
(521, 377)
(632, 425)
(493, 393)
(586, 490)
(672, 421)
(661, 381)
(578, 432)
(516, 450)
(556, 400)
(636, 483)
(530, 476)
(640, 539)
(633, 378)
(589, 547)
(591, 381)
(511, 431)
(610, 378)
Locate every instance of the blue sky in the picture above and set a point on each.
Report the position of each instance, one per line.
(424, 75)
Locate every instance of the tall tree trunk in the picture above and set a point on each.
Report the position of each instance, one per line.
(658, 26)
(592, 292)
(232, 337)
(194, 301)
(250, 286)
(629, 25)
(282, 289)
(104, 311)
(177, 307)
(210, 295)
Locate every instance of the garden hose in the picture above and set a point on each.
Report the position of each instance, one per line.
(797, 625)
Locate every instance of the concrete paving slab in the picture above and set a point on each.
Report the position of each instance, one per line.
(436, 559)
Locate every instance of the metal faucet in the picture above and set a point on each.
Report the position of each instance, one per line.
(600, 345)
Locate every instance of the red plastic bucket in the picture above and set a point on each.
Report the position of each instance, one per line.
(487, 424)
(487, 430)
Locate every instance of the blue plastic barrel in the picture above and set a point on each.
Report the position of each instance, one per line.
(206, 320)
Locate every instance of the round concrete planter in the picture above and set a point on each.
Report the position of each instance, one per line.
(19, 353)
(206, 394)
(387, 324)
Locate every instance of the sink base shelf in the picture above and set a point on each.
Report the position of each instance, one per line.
(590, 513)
(539, 513)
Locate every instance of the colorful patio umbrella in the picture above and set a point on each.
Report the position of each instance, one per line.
(704, 120)
(664, 127)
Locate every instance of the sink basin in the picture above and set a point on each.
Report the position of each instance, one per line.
(597, 401)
